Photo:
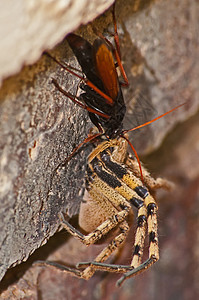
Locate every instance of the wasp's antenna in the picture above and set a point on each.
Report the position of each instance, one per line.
(153, 120)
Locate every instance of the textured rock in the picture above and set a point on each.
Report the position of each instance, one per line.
(39, 128)
(29, 27)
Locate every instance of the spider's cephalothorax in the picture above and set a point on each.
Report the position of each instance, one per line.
(113, 187)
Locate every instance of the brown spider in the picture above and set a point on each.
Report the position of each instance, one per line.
(113, 185)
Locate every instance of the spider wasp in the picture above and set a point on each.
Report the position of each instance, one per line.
(114, 180)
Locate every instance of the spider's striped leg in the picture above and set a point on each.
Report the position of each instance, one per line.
(105, 253)
(146, 213)
(88, 272)
(138, 248)
(153, 241)
(100, 231)
(91, 238)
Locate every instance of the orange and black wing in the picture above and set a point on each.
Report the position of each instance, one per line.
(105, 68)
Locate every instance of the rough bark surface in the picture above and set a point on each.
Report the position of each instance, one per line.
(40, 127)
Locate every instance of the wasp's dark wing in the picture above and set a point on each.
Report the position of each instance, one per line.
(97, 63)
(83, 51)
(105, 68)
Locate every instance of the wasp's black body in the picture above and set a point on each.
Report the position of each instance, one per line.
(86, 56)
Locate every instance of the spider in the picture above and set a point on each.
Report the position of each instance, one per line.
(113, 186)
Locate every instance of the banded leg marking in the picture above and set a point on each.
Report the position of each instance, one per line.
(138, 248)
(100, 231)
(147, 214)
(104, 254)
(91, 267)
(153, 242)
